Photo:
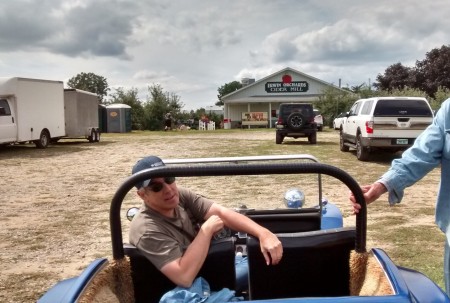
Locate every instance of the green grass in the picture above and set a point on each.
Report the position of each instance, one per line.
(419, 248)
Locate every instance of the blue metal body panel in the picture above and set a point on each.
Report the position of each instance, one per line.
(410, 284)
(421, 288)
(68, 291)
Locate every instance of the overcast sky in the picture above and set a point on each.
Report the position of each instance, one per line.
(193, 47)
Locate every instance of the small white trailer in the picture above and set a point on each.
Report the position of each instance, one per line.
(81, 114)
(35, 110)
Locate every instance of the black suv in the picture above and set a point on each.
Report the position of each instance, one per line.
(296, 120)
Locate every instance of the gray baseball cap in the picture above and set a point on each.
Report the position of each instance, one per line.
(146, 163)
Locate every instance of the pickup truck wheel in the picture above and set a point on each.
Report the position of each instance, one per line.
(362, 153)
(296, 120)
(279, 138)
(313, 138)
(44, 140)
(342, 145)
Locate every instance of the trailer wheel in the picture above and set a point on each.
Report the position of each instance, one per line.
(44, 139)
(91, 137)
(97, 136)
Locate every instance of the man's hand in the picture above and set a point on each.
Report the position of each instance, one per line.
(212, 225)
(183, 271)
(371, 193)
(271, 248)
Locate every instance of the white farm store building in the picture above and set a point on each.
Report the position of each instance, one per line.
(256, 104)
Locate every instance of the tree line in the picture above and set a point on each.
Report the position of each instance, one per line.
(429, 78)
(145, 114)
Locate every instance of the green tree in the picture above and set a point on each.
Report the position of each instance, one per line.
(130, 97)
(428, 75)
(90, 82)
(333, 102)
(175, 105)
(158, 104)
(440, 96)
(226, 89)
(434, 71)
(395, 76)
(405, 92)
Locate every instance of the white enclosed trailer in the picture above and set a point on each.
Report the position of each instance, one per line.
(41, 111)
(81, 114)
(31, 110)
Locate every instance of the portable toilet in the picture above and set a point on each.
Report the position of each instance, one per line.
(102, 120)
(118, 118)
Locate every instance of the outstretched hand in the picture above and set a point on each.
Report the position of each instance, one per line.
(371, 193)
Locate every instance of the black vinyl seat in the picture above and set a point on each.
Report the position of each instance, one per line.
(150, 284)
(287, 220)
(314, 264)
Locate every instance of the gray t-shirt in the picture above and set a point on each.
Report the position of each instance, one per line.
(162, 239)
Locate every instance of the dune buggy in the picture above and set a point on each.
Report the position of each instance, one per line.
(323, 261)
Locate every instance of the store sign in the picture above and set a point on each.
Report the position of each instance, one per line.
(288, 87)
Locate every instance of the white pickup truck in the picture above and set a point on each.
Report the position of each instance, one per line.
(384, 123)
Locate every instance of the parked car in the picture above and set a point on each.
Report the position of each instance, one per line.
(320, 263)
(384, 123)
(296, 120)
(339, 120)
(318, 118)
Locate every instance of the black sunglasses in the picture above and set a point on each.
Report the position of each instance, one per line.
(158, 186)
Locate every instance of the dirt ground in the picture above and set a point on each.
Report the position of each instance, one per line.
(55, 202)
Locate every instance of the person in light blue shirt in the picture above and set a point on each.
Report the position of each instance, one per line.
(430, 150)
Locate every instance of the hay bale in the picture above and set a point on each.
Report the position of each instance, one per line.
(112, 284)
(104, 294)
(367, 277)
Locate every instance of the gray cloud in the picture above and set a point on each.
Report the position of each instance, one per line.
(97, 28)
(192, 29)
(102, 28)
(24, 25)
(363, 39)
(194, 47)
